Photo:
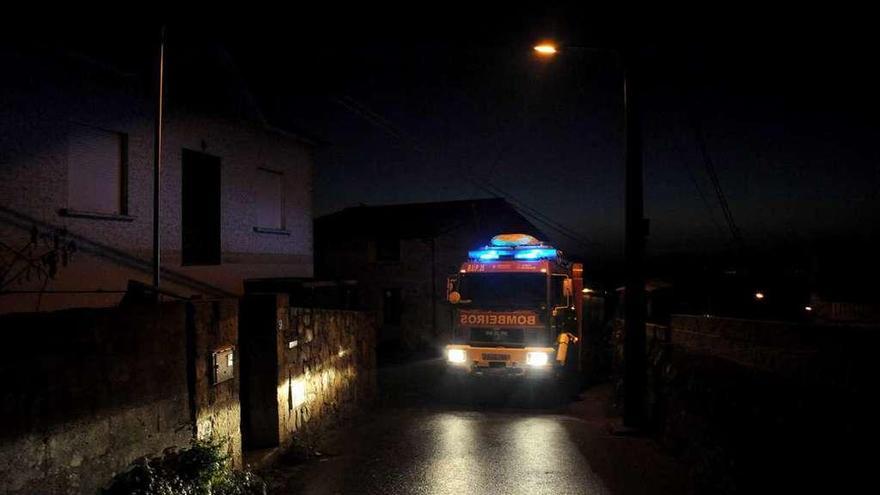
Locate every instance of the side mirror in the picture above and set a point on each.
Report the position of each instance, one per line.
(454, 297)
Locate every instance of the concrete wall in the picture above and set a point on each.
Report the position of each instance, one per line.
(90, 390)
(44, 95)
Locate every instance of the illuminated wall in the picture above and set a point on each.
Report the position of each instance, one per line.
(326, 370)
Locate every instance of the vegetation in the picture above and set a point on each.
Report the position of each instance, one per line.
(201, 469)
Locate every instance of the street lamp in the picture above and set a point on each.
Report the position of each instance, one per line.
(546, 49)
(635, 350)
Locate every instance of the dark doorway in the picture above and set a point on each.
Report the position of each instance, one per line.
(257, 339)
(200, 205)
(391, 307)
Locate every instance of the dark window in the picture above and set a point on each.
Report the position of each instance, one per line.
(96, 170)
(270, 199)
(388, 249)
(391, 307)
(200, 205)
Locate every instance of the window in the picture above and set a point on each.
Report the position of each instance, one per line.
(96, 170)
(387, 249)
(270, 200)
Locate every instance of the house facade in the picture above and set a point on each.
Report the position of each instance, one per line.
(76, 190)
(401, 255)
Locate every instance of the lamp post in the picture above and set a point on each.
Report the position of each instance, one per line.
(635, 349)
(157, 161)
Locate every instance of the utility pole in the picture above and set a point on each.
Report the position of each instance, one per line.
(157, 161)
(635, 348)
(635, 376)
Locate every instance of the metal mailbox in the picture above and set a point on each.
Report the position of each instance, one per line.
(223, 364)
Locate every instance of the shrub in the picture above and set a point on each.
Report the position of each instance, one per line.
(201, 469)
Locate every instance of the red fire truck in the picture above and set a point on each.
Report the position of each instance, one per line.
(516, 307)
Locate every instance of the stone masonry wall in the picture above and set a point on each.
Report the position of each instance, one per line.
(214, 326)
(87, 392)
(327, 368)
(752, 405)
(90, 390)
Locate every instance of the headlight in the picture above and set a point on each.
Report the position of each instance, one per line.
(456, 355)
(537, 358)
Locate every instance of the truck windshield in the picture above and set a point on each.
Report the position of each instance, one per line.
(504, 289)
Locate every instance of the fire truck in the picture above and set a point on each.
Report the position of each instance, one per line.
(516, 309)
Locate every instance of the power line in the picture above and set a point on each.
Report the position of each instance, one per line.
(393, 130)
(529, 211)
(716, 184)
(709, 210)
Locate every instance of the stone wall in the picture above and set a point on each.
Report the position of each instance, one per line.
(837, 356)
(330, 371)
(755, 404)
(89, 390)
(214, 326)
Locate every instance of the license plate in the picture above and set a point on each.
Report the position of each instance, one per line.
(496, 357)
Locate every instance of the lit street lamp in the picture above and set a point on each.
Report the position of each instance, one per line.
(635, 353)
(545, 49)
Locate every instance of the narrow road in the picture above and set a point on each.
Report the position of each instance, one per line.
(435, 437)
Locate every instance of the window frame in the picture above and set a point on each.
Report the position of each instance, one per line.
(124, 164)
(282, 230)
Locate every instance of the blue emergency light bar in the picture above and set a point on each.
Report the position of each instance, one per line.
(485, 254)
(534, 254)
(525, 253)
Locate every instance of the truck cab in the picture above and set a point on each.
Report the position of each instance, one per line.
(516, 310)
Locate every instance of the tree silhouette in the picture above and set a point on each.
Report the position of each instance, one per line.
(38, 260)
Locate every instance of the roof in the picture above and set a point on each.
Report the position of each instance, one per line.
(425, 220)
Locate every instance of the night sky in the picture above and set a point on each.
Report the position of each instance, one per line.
(449, 104)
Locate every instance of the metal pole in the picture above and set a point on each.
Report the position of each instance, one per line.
(157, 160)
(635, 352)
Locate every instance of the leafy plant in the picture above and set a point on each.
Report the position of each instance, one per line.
(201, 469)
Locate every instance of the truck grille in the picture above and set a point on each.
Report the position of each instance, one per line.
(495, 357)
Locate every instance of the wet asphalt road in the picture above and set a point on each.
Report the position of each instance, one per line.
(434, 436)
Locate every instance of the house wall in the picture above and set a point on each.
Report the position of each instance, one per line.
(91, 390)
(42, 97)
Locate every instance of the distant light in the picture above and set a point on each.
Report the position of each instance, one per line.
(545, 49)
(586, 290)
(462, 271)
(543, 270)
(759, 295)
(808, 308)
